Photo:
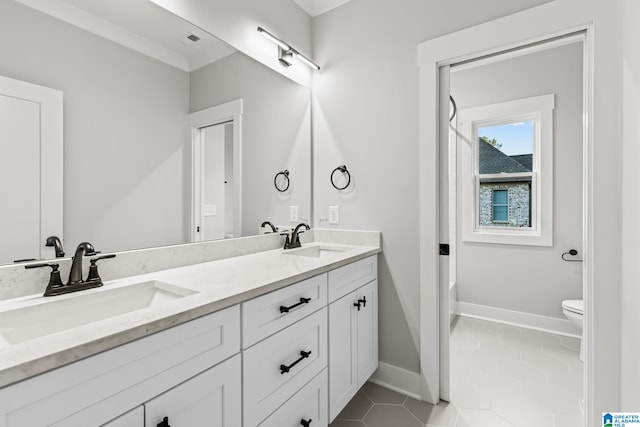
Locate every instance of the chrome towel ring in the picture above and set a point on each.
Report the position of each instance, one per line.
(284, 184)
(344, 170)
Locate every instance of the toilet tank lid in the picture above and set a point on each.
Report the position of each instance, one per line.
(575, 305)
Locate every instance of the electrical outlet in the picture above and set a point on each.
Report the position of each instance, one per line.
(334, 215)
(293, 213)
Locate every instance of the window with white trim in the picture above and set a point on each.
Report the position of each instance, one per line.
(505, 154)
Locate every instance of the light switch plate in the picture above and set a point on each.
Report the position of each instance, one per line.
(210, 210)
(334, 215)
(293, 213)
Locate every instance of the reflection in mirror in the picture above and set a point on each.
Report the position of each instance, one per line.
(128, 152)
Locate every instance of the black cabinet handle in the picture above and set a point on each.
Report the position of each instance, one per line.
(284, 309)
(303, 355)
(164, 422)
(306, 423)
(361, 302)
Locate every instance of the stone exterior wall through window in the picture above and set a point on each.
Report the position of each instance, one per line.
(519, 204)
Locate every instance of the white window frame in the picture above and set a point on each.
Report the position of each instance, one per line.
(540, 110)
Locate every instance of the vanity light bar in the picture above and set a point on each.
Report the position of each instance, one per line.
(286, 51)
(274, 39)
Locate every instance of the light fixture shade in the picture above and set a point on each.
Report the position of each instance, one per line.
(307, 61)
(274, 39)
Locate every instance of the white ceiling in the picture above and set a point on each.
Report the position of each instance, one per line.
(140, 25)
(318, 7)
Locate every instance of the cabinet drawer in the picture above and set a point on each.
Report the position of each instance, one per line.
(310, 403)
(266, 315)
(265, 385)
(347, 279)
(93, 390)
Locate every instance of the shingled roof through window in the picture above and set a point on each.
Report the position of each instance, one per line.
(493, 161)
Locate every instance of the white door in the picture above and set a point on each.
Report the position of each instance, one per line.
(217, 177)
(367, 331)
(446, 271)
(212, 398)
(30, 169)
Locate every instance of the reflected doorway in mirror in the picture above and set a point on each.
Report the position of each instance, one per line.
(216, 171)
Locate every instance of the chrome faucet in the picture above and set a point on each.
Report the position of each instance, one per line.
(295, 236)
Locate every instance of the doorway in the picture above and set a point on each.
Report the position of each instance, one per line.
(215, 211)
(216, 186)
(511, 204)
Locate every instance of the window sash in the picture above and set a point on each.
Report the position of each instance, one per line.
(500, 208)
(531, 177)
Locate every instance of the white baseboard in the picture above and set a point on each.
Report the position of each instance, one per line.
(397, 379)
(516, 318)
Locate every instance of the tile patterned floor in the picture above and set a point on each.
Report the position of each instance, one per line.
(501, 376)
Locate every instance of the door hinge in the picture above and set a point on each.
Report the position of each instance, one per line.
(444, 249)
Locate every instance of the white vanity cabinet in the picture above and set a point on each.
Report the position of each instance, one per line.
(353, 331)
(291, 357)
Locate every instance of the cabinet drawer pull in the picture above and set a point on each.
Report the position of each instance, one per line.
(164, 422)
(306, 423)
(284, 309)
(303, 355)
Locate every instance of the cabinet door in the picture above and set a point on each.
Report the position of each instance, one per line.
(210, 399)
(133, 418)
(343, 354)
(367, 332)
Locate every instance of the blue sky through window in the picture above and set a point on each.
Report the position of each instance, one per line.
(516, 138)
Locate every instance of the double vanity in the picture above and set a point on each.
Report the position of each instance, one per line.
(262, 338)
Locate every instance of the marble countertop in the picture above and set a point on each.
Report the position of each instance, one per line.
(217, 284)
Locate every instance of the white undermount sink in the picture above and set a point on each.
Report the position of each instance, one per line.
(56, 314)
(317, 251)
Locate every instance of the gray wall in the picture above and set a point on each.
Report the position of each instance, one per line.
(510, 276)
(630, 350)
(275, 135)
(366, 116)
(120, 192)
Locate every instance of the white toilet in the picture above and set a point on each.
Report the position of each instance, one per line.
(573, 310)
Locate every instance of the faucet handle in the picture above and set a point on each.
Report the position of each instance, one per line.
(55, 281)
(93, 268)
(287, 242)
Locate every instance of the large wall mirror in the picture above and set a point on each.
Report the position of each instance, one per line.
(132, 76)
